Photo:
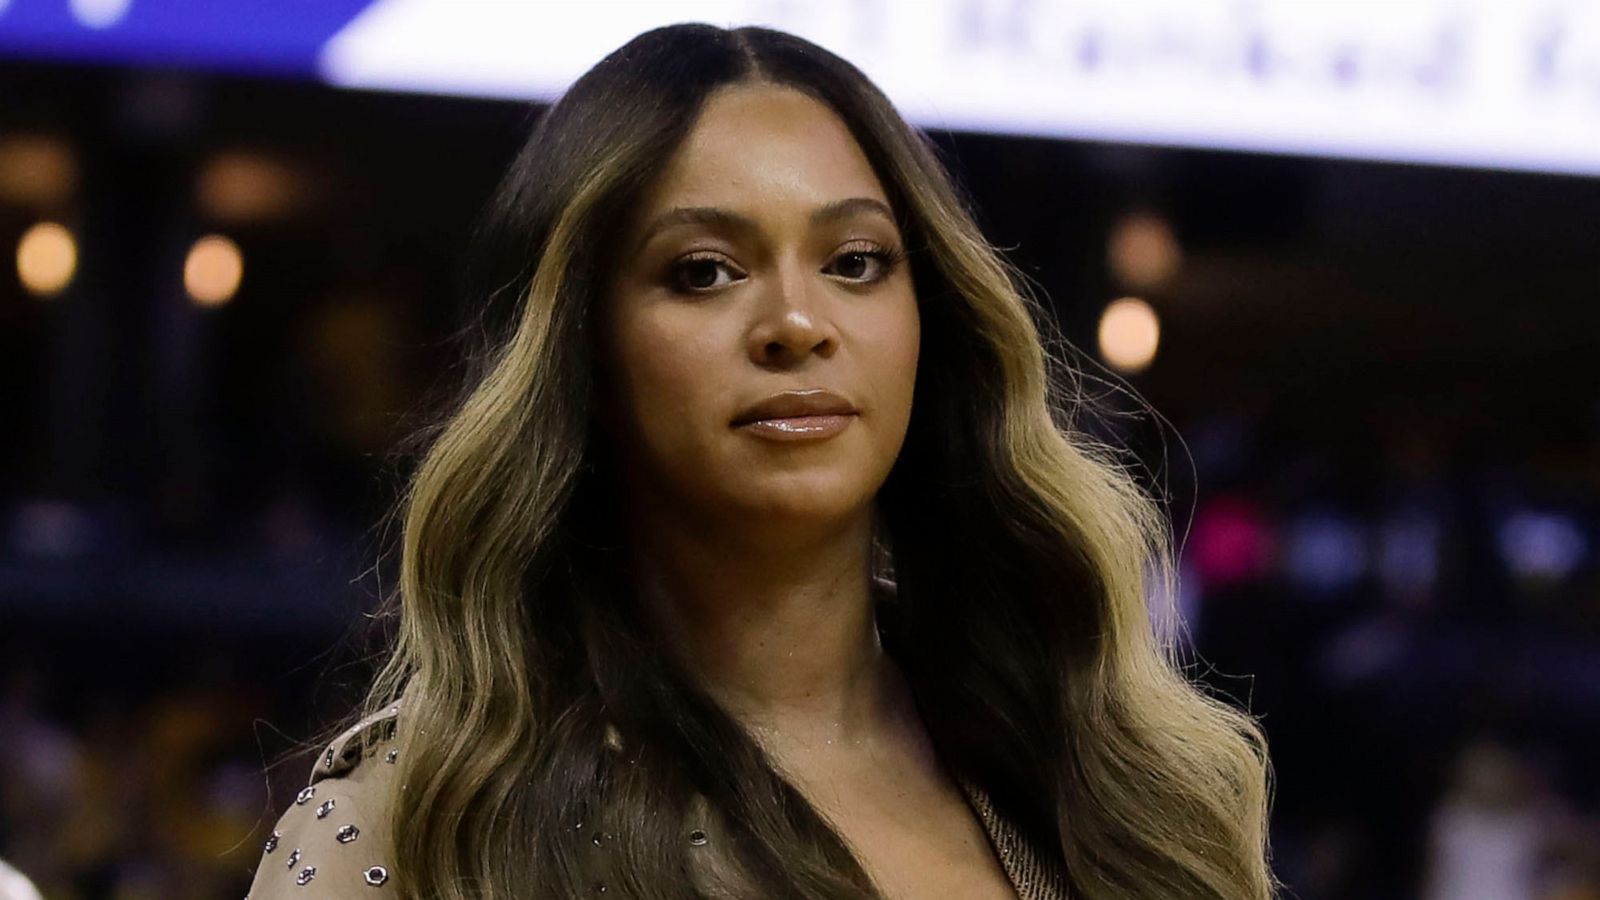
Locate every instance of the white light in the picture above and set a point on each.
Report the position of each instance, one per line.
(99, 14)
(47, 256)
(1130, 332)
(212, 271)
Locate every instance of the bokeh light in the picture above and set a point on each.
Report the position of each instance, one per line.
(99, 14)
(247, 187)
(37, 170)
(1130, 332)
(47, 257)
(1142, 252)
(213, 270)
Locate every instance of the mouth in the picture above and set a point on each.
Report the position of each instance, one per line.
(806, 404)
(797, 415)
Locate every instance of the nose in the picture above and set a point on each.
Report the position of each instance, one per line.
(793, 322)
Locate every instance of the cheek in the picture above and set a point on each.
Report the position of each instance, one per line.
(893, 356)
(670, 369)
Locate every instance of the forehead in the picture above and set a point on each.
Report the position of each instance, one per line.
(765, 143)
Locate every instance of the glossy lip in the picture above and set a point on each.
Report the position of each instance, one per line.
(814, 402)
(797, 416)
(798, 428)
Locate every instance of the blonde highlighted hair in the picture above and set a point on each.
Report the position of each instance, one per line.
(1024, 555)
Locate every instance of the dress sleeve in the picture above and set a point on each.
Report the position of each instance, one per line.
(332, 842)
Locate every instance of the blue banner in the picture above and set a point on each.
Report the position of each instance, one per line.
(250, 36)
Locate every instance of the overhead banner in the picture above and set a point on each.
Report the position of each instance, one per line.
(1491, 83)
(275, 37)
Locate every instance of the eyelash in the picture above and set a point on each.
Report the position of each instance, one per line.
(888, 259)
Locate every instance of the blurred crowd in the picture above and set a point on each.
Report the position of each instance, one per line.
(129, 791)
(1419, 628)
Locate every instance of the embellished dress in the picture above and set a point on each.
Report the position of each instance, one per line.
(331, 844)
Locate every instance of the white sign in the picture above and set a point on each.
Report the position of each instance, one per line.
(1495, 83)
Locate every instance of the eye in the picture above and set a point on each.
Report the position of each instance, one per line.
(698, 274)
(865, 264)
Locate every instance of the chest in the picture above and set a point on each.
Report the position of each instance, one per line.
(916, 830)
(927, 844)
(939, 847)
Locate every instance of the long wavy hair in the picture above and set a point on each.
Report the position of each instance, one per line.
(1032, 575)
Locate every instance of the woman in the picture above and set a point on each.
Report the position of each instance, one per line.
(696, 602)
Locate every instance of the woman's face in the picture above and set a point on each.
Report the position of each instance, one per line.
(764, 260)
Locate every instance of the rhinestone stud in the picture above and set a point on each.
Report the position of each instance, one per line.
(392, 755)
(305, 795)
(271, 844)
(346, 834)
(324, 809)
(305, 876)
(375, 875)
(698, 837)
(294, 858)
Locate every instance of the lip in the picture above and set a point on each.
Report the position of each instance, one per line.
(814, 402)
(797, 416)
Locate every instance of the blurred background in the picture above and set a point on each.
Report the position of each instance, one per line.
(1349, 252)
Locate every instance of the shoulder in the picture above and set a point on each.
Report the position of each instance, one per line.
(332, 841)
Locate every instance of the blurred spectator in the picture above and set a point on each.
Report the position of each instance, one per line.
(1488, 835)
(15, 886)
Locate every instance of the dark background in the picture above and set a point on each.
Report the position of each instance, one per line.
(1377, 386)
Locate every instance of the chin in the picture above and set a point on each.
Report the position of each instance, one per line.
(819, 496)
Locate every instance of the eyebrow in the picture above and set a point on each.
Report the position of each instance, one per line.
(717, 217)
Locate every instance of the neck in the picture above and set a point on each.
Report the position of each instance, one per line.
(779, 629)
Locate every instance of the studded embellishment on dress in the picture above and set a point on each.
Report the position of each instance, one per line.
(305, 876)
(305, 795)
(1033, 875)
(375, 875)
(391, 756)
(346, 834)
(324, 809)
(328, 760)
(294, 858)
(272, 843)
(698, 837)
